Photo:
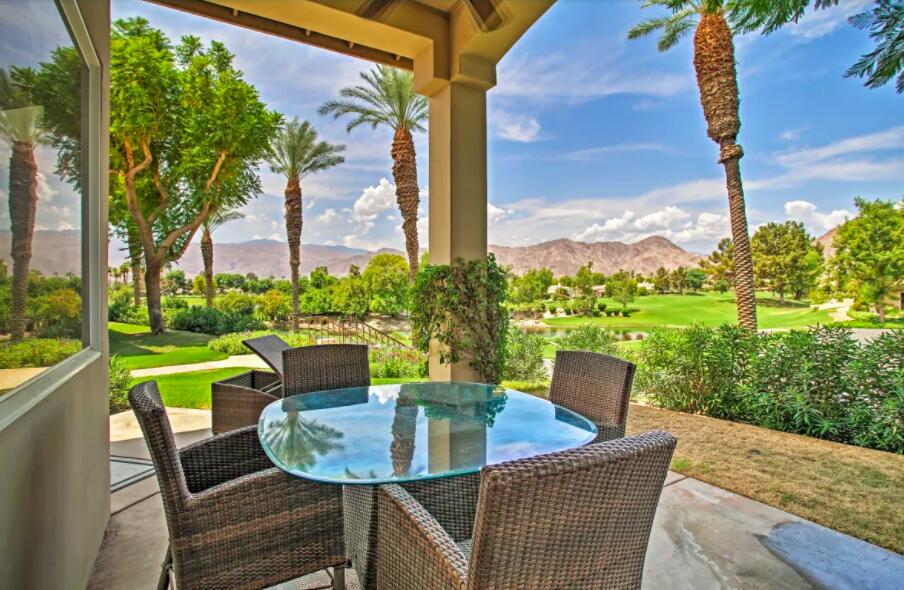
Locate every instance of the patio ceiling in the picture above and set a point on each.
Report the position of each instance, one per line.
(440, 40)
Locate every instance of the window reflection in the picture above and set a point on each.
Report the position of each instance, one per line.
(40, 192)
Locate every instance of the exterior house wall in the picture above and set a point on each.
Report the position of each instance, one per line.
(54, 430)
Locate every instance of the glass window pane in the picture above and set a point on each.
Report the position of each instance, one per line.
(40, 195)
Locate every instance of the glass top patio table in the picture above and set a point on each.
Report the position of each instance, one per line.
(413, 431)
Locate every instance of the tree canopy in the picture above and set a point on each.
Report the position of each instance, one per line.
(785, 258)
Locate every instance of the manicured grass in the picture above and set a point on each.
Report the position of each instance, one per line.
(850, 489)
(709, 309)
(194, 300)
(192, 390)
(141, 350)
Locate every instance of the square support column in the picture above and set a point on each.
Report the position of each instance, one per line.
(458, 189)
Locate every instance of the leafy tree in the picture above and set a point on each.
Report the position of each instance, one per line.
(295, 153)
(350, 294)
(275, 305)
(531, 286)
(694, 278)
(216, 218)
(387, 98)
(583, 282)
(622, 288)
(720, 264)
(870, 251)
(386, 279)
(321, 278)
(199, 284)
(589, 338)
(785, 257)
(678, 280)
(661, 280)
(174, 282)
(186, 135)
(228, 280)
(714, 63)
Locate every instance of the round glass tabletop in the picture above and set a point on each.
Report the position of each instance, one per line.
(413, 431)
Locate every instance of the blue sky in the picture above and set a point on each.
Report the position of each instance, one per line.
(592, 136)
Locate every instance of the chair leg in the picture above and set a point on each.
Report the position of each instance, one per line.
(339, 577)
(164, 582)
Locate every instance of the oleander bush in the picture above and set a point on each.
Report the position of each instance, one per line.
(209, 320)
(37, 352)
(397, 363)
(819, 382)
(525, 357)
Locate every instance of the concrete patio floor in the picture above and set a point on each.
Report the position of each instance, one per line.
(703, 537)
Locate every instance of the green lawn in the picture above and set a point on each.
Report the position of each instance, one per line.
(194, 300)
(141, 350)
(710, 309)
(192, 390)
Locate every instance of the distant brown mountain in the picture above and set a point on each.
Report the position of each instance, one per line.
(566, 256)
(826, 239)
(58, 252)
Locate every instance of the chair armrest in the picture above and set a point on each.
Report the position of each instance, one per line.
(222, 458)
(271, 494)
(416, 553)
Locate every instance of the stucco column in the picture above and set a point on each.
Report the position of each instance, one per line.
(458, 188)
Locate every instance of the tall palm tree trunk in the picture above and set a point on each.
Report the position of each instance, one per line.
(293, 236)
(718, 84)
(207, 255)
(404, 173)
(23, 204)
(135, 262)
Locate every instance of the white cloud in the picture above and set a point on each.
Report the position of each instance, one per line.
(514, 127)
(670, 222)
(883, 140)
(818, 23)
(584, 74)
(496, 214)
(791, 134)
(372, 202)
(327, 216)
(807, 212)
(590, 153)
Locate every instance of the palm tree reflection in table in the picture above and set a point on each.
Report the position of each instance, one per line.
(296, 153)
(300, 441)
(404, 428)
(717, 81)
(213, 221)
(21, 129)
(388, 99)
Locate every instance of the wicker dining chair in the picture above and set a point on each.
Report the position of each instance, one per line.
(578, 519)
(325, 366)
(270, 348)
(239, 401)
(597, 386)
(234, 520)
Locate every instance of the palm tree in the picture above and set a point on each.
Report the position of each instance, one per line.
(388, 98)
(717, 82)
(21, 129)
(296, 153)
(404, 428)
(216, 218)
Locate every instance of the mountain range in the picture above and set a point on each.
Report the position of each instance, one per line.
(58, 252)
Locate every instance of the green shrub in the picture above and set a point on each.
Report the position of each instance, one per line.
(397, 363)
(231, 344)
(525, 357)
(235, 303)
(57, 314)
(120, 383)
(818, 382)
(601, 306)
(209, 320)
(552, 308)
(589, 338)
(37, 352)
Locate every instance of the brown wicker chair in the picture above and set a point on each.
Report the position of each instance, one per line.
(234, 520)
(270, 348)
(578, 519)
(239, 401)
(597, 386)
(323, 367)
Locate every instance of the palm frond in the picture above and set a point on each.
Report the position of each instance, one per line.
(296, 153)
(885, 22)
(386, 98)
